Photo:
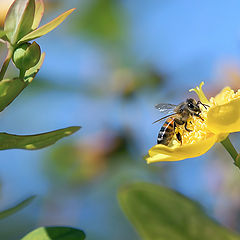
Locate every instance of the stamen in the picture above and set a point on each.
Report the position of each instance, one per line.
(200, 93)
(198, 131)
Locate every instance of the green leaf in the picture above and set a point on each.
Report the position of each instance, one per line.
(39, 10)
(19, 19)
(9, 90)
(103, 19)
(34, 142)
(46, 28)
(16, 208)
(2, 33)
(159, 213)
(31, 72)
(55, 233)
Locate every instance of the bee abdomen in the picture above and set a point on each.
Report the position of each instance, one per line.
(166, 132)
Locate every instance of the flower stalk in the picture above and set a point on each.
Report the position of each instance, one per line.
(232, 151)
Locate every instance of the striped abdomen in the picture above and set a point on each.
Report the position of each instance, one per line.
(166, 132)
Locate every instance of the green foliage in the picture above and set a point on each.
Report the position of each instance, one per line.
(26, 56)
(2, 33)
(16, 208)
(20, 26)
(19, 20)
(55, 233)
(39, 10)
(34, 142)
(103, 19)
(9, 90)
(31, 72)
(159, 213)
(46, 28)
(24, 17)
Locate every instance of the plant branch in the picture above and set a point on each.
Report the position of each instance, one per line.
(232, 151)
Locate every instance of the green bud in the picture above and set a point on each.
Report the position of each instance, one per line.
(26, 56)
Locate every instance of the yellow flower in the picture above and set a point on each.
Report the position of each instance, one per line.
(220, 118)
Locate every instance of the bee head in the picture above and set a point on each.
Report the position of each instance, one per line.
(193, 105)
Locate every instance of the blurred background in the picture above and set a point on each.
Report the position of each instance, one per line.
(106, 67)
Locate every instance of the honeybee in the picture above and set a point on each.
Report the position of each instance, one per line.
(179, 116)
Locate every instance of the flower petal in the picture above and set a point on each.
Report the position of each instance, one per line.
(224, 118)
(160, 152)
(223, 96)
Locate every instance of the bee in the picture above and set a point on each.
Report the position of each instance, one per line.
(179, 116)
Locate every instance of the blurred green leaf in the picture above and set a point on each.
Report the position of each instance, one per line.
(39, 10)
(9, 90)
(55, 233)
(46, 28)
(34, 142)
(2, 33)
(159, 213)
(31, 72)
(19, 19)
(104, 19)
(16, 208)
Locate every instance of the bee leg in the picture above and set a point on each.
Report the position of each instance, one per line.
(185, 126)
(197, 115)
(179, 137)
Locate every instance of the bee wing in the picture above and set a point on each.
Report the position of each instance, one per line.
(165, 107)
(170, 115)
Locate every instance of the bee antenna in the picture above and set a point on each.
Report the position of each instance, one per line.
(205, 105)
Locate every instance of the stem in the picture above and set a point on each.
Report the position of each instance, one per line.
(6, 63)
(232, 151)
(22, 73)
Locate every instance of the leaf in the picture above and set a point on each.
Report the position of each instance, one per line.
(31, 72)
(103, 19)
(159, 213)
(2, 33)
(9, 90)
(39, 10)
(19, 19)
(46, 28)
(55, 233)
(16, 208)
(34, 142)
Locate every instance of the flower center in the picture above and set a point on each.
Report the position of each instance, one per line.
(198, 130)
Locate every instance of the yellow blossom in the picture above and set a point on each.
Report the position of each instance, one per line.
(220, 118)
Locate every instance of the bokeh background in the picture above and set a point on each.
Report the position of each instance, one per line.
(106, 67)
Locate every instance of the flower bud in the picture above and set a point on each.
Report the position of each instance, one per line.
(26, 55)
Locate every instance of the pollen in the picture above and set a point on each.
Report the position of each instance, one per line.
(225, 96)
(198, 130)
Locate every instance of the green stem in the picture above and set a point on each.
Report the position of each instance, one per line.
(6, 63)
(232, 151)
(22, 74)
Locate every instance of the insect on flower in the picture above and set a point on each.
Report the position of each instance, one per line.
(180, 116)
(209, 121)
